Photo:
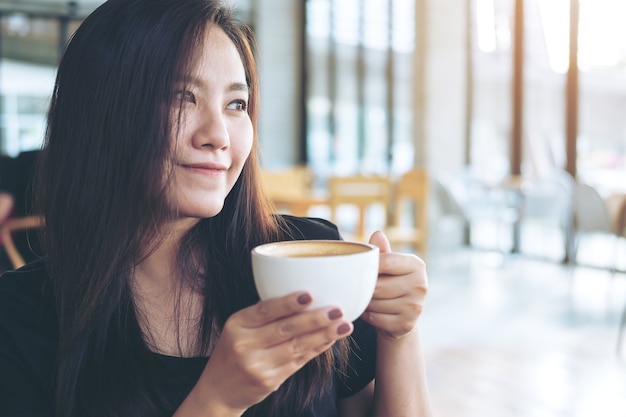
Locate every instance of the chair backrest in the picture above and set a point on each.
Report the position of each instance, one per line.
(410, 210)
(549, 197)
(591, 213)
(616, 205)
(477, 199)
(412, 187)
(362, 191)
(6, 233)
(292, 181)
(446, 200)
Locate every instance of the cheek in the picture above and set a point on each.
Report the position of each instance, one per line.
(243, 145)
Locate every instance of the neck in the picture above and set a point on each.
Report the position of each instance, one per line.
(157, 272)
(167, 309)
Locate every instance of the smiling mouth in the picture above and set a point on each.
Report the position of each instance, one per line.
(212, 170)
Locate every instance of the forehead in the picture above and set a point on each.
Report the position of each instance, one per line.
(219, 54)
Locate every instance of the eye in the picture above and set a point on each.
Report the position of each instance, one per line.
(186, 96)
(239, 105)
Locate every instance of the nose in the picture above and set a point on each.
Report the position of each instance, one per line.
(211, 131)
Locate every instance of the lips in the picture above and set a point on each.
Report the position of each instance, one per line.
(207, 165)
(211, 168)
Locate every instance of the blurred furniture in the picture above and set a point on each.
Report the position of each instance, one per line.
(616, 204)
(549, 200)
(591, 216)
(11, 226)
(409, 212)
(508, 197)
(449, 206)
(594, 214)
(55, 21)
(362, 191)
(479, 202)
(291, 190)
(622, 330)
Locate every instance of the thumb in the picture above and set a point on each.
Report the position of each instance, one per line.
(379, 239)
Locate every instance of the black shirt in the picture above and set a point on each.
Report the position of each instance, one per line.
(28, 343)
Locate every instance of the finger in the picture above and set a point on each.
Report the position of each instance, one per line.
(304, 347)
(397, 306)
(275, 375)
(318, 321)
(389, 287)
(379, 239)
(294, 353)
(268, 311)
(401, 264)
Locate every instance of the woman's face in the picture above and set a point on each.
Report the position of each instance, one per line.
(215, 135)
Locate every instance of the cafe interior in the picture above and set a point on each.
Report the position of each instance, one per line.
(486, 136)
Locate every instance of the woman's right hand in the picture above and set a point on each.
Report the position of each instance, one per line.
(263, 345)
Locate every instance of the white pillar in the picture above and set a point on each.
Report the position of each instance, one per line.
(278, 33)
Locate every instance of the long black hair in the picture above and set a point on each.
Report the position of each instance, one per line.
(102, 193)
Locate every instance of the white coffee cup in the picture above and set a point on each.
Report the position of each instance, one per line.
(335, 272)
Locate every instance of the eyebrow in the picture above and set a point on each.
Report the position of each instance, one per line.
(235, 86)
(239, 87)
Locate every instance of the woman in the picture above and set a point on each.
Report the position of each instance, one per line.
(145, 305)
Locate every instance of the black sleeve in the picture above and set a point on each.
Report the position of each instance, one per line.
(310, 228)
(27, 344)
(25, 168)
(7, 174)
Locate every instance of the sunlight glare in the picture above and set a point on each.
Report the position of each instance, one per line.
(486, 24)
(601, 33)
(555, 23)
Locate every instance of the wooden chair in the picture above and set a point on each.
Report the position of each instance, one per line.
(409, 226)
(6, 233)
(291, 190)
(361, 191)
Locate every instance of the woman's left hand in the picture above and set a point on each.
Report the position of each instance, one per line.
(400, 291)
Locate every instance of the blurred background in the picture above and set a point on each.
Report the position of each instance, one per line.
(486, 136)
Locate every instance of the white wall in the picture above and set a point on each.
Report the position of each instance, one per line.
(440, 113)
(445, 85)
(278, 37)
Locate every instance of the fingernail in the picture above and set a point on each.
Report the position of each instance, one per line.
(334, 314)
(343, 328)
(304, 299)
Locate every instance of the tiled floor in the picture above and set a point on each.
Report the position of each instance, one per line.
(520, 336)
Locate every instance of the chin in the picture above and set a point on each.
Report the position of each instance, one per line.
(200, 206)
(204, 212)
